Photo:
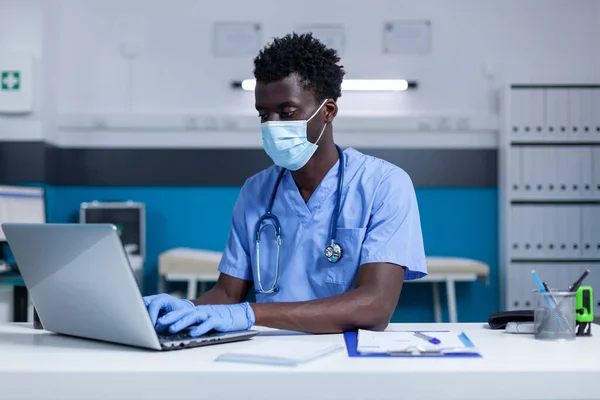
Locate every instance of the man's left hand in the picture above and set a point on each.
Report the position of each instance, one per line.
(222, 318)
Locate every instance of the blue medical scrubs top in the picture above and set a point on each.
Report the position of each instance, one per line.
(379, 222)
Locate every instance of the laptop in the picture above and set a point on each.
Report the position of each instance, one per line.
(81, 283)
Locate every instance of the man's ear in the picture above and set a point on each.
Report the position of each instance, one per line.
(331, 110)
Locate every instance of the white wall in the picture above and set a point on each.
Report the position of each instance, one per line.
(175, 72)
(21, 30)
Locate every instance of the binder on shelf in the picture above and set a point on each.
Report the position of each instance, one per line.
(575, 110)
(586, 183)
(547, 227)
(534, 114)
(582, 113)
(596, 171)
(596, 232)
(522, 278)
(596, 115)
(516, 187)
(573, 168)
(557, 114)
(574, 229)
(517, 232)
(561, 173)
(513, 288)
(545, 172)
(517, 112)
(537, 113)
(540, 172)
(588, 230)
(561, 232)
(527, 230)
(556, 235)
(529, 175)
(527, 286)
(537, 217)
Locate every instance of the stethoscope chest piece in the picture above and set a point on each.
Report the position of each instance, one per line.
(333, 252)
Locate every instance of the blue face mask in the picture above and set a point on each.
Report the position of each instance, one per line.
(286, 142)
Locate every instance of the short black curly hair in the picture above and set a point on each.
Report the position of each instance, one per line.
(314, 63)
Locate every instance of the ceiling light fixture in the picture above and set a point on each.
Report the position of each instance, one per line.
(364, 85)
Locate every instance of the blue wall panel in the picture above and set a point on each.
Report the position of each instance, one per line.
(456, 222)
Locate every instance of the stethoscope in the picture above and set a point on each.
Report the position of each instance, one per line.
(333, 251)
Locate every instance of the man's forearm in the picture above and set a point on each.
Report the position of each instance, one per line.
(360, 308)
(214, 296)
(228, 290)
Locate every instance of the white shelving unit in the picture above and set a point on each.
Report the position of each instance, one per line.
(549, 183)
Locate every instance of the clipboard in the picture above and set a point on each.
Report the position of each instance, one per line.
(351, 341)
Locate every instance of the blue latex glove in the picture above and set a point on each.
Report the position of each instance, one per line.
(222, 318)
(160, 304)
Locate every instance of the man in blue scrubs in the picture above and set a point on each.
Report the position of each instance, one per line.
(298, 81)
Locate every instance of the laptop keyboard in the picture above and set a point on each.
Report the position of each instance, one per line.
(175, 337)
(184, 335)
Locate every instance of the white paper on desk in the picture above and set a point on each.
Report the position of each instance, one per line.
(265, 331)
(280, 352)
(389, 342)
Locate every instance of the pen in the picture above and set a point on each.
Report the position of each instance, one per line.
(540, 285)
(427, 338)
(574, 287)
(548, 290)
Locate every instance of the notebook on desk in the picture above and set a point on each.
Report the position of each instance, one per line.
(366, 343)
(280, 352)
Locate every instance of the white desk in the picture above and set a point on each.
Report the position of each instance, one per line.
(200, 266)
(40, 365)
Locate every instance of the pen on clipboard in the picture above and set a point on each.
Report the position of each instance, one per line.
(427, 338)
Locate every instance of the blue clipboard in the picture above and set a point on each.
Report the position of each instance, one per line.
(351, 340)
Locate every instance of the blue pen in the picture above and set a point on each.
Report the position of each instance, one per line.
(427, 338)
(538, 281)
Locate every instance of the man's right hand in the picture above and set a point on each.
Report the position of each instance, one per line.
(161, 304)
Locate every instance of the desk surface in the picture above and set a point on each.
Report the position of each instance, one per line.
(36, 364)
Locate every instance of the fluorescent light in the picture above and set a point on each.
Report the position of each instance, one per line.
(248, 84)
(389, 85)
(375, 84)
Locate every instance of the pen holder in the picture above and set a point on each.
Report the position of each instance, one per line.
(554, 315)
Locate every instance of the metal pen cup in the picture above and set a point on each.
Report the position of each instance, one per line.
(554, 315)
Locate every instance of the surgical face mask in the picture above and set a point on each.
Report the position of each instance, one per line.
(287, 144)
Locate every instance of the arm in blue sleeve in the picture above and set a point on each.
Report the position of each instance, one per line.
(235, 261)
(394, 230)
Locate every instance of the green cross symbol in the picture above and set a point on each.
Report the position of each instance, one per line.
(11, 80)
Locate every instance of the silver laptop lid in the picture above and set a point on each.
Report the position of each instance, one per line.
(80, 281)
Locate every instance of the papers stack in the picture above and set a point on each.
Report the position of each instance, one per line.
(405, 342)
(280, 352)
